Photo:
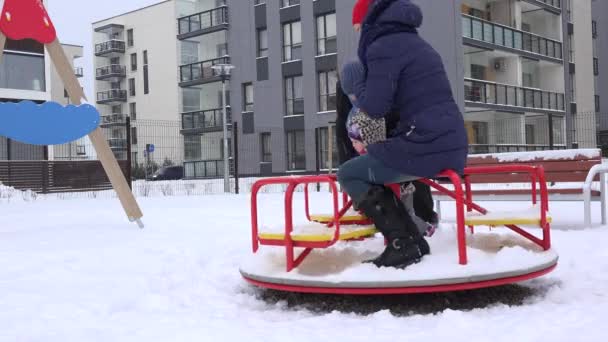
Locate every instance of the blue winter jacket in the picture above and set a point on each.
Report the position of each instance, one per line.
(406, 75)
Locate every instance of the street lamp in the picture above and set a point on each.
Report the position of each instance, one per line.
(224, 70)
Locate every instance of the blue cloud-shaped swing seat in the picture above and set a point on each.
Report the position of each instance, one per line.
(46, 124)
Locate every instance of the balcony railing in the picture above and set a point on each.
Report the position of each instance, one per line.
(79, 72)
(500, 35)
(203, 20)
(508, 95)
(110, 46)
(113, 95)
(205, 120)
(552, 3)
(206, 168)
(201, 70)
(112, 70)
(113, 119)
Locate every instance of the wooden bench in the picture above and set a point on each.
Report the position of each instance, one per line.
(570, 174)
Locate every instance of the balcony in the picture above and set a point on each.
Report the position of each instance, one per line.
(113, 96)
(554, 6)
(488, 35)
(113, 120)
(79, 72)
(111, 72)
(204, 121)
(206, 168)
(200, 72)
(117, 143)
(110, 48)
(479, 93)
(203, 22)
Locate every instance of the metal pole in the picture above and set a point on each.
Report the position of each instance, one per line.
(551, 142)
(235, 148)
(225, 128)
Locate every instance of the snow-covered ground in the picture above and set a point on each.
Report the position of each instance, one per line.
(76, 270)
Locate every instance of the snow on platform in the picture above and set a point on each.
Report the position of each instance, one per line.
(317, 232)
(491, 256)
(529, 216)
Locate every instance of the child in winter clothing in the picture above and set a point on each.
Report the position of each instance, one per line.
(364, 131)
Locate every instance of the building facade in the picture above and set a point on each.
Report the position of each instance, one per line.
(521, 71)
(136, 76)
(80, 149)
(599, 27)
(25, 74)
(282, 91)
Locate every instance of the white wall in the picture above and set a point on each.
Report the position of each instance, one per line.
(156, 32)
(583, 49)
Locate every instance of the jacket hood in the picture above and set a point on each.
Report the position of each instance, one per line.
(396, 11)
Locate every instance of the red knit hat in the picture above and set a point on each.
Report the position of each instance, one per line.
(360, 11)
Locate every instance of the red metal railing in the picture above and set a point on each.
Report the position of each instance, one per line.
(463, 198)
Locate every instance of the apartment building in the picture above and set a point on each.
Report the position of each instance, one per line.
(25, 74)
(80, 149)
(521, 71)
(136, 76)
(599, 27)
(282, 90)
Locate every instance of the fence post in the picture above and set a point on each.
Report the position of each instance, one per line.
(317, 159)
(129, 161)
(235, 146)
(8, 158)
(551, 142)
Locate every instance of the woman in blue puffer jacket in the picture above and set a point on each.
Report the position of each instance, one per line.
(404, 74)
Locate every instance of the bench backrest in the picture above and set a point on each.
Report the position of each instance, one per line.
(560, 166)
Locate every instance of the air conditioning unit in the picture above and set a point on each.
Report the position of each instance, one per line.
(500, 64)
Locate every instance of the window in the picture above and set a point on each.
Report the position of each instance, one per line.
(266, 148)
(296, 156)
(131, 87)
(326, 34)
(327, 90)
(133, 135)
(81, 150)
(133, 61)
(133, 111)
(22, 72)
(259, 2)
(192, 147)
(294, 98)
(248, 97)
(596, 66)
(130, 37)
(594, 28)
(292, 41)
(597, 103)
(262, 43)
(117, 109)
(530, 136)
(146, 83)
(323, 148)
(287, 3)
